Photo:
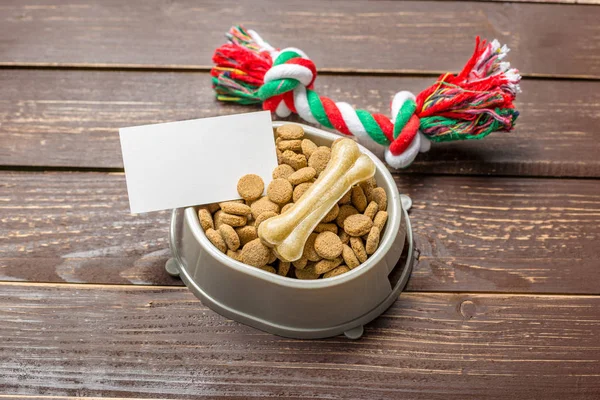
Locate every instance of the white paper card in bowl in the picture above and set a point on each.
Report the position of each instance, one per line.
(186, 163)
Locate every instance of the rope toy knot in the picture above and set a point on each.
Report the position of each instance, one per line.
(469, 105)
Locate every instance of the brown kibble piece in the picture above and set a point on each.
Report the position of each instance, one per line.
(282, 171)
(309, 248)
(246, 234)
(294, 160)
(216, 239)
(302, 175)
(236, 255)
(357, 225)
(284, 268)
(304, 274)
(359, 200)
(324, 148)
(279, 155)
(344, 237)
(346, 198)
(368, 186)
(229, 219)
(263, 217)
(255, 253)
(293, 145)
(308, 147)
(328, 245)
(380, 220)
(290, 132)
(326, 228)
(300, 263)
(212, 208)
(324, 266)
(372, 241)
(286, 207)
(261, 205)
(332, 214)
(280, 191)
(371, 210)
(349, 257)
(235, 208)
(345, 211)
(268, 268)
(230, 236)
(250, 187)
(380, 197)
(300, 190)
(342, 269)
(217, 219)
(206, 221)
(359, 249)
(319, 159)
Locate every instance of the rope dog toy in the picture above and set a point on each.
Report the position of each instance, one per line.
(469, 105)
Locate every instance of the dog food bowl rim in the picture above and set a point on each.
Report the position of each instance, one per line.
(387, 240)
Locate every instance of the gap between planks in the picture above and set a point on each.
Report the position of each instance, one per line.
(184, 288)
(408, 73)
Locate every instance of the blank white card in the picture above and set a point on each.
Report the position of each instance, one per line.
(187, 163)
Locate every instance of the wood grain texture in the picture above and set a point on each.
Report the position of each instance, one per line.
(71, 118)
(474, 234)
(68, 340)
(355, 35)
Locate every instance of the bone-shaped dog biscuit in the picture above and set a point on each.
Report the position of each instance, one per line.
(288, 232)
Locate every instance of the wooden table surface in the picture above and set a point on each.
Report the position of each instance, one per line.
(504, 301)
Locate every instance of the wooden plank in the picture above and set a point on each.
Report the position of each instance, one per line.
(67, 340)
(548, 1)
(71, 118)
(387, 35)
(474, 234)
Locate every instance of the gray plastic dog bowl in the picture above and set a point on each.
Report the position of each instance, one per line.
(304, 309)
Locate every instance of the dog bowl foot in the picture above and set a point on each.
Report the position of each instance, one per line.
(406, 202)
(354, 333)
(171, 267)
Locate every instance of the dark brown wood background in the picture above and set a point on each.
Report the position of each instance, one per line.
(503, 302)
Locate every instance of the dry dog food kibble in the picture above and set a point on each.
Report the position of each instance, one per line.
(319, 159)
(262, 205)
(371, 210)
(328, 245)
(349, 257)
(230, 236)
(300, 189)
(206, 221)
(290, 132)
(372, 240)
(246, 234)
(294, 160)
(282, 171)
(359, 200)
(250, 187)
(343, 239)
(357, 225)
(255, 253)
(308, 147)
(342, 269)
(216, 239)
(279, 191)
(302, 175)
(235, 208)
(380, 220)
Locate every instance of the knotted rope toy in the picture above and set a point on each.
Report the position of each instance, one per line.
(470, 105)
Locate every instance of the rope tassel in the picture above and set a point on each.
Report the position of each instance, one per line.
(469, 105)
